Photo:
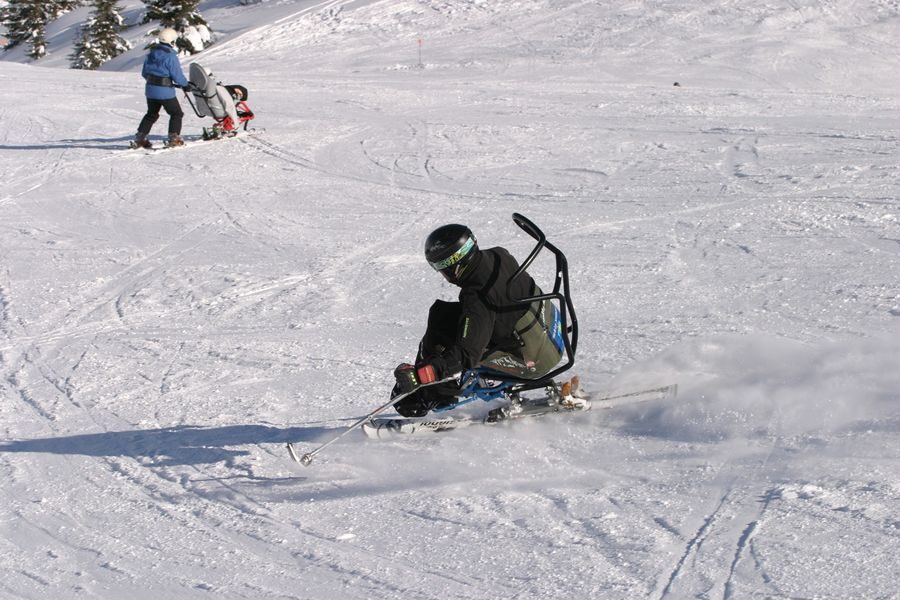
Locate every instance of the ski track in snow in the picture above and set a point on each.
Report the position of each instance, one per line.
(168, 320)
(738, 512)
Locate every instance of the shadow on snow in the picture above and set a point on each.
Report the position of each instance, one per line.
(68, 144)
(181, 445)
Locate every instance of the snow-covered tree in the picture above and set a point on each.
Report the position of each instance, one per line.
(4, 28)
(3, 5)
(176, 14)
(100, 39)
(26, 20)
(180, 15)
(58, 7)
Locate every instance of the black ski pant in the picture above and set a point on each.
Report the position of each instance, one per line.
(173, 108)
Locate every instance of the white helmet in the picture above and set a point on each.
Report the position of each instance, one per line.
(168, 36)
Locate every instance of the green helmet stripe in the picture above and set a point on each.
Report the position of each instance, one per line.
(454, 258)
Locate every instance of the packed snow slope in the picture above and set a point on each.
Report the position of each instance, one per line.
(169, 320)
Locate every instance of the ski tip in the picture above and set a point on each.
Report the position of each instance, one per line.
(369, 430)
(376, 430)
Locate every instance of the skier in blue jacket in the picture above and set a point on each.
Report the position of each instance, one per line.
(163, 73)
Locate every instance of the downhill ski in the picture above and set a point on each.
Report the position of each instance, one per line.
(572, 400)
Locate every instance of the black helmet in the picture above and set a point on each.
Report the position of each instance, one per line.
(449, 249)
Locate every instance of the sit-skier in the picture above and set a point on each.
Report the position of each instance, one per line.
(488, 327)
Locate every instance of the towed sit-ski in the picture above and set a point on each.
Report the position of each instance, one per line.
(226, 104)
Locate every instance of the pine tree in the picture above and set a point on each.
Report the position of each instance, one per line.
(26, 20)
(100, 39)
(58, 7)
(5, 18)
(177, 14)
(3, 9)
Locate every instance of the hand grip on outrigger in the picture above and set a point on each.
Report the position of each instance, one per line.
(307, 458)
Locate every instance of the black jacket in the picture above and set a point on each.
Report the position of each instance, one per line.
(489, 311)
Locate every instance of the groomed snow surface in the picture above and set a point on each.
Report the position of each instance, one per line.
(169, 320)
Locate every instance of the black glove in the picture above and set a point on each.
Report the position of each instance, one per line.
(409, 378)
(187, 87)
(405, 374)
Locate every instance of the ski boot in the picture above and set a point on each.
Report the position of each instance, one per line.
(572, 397)
(140, 141)
(174, 141)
